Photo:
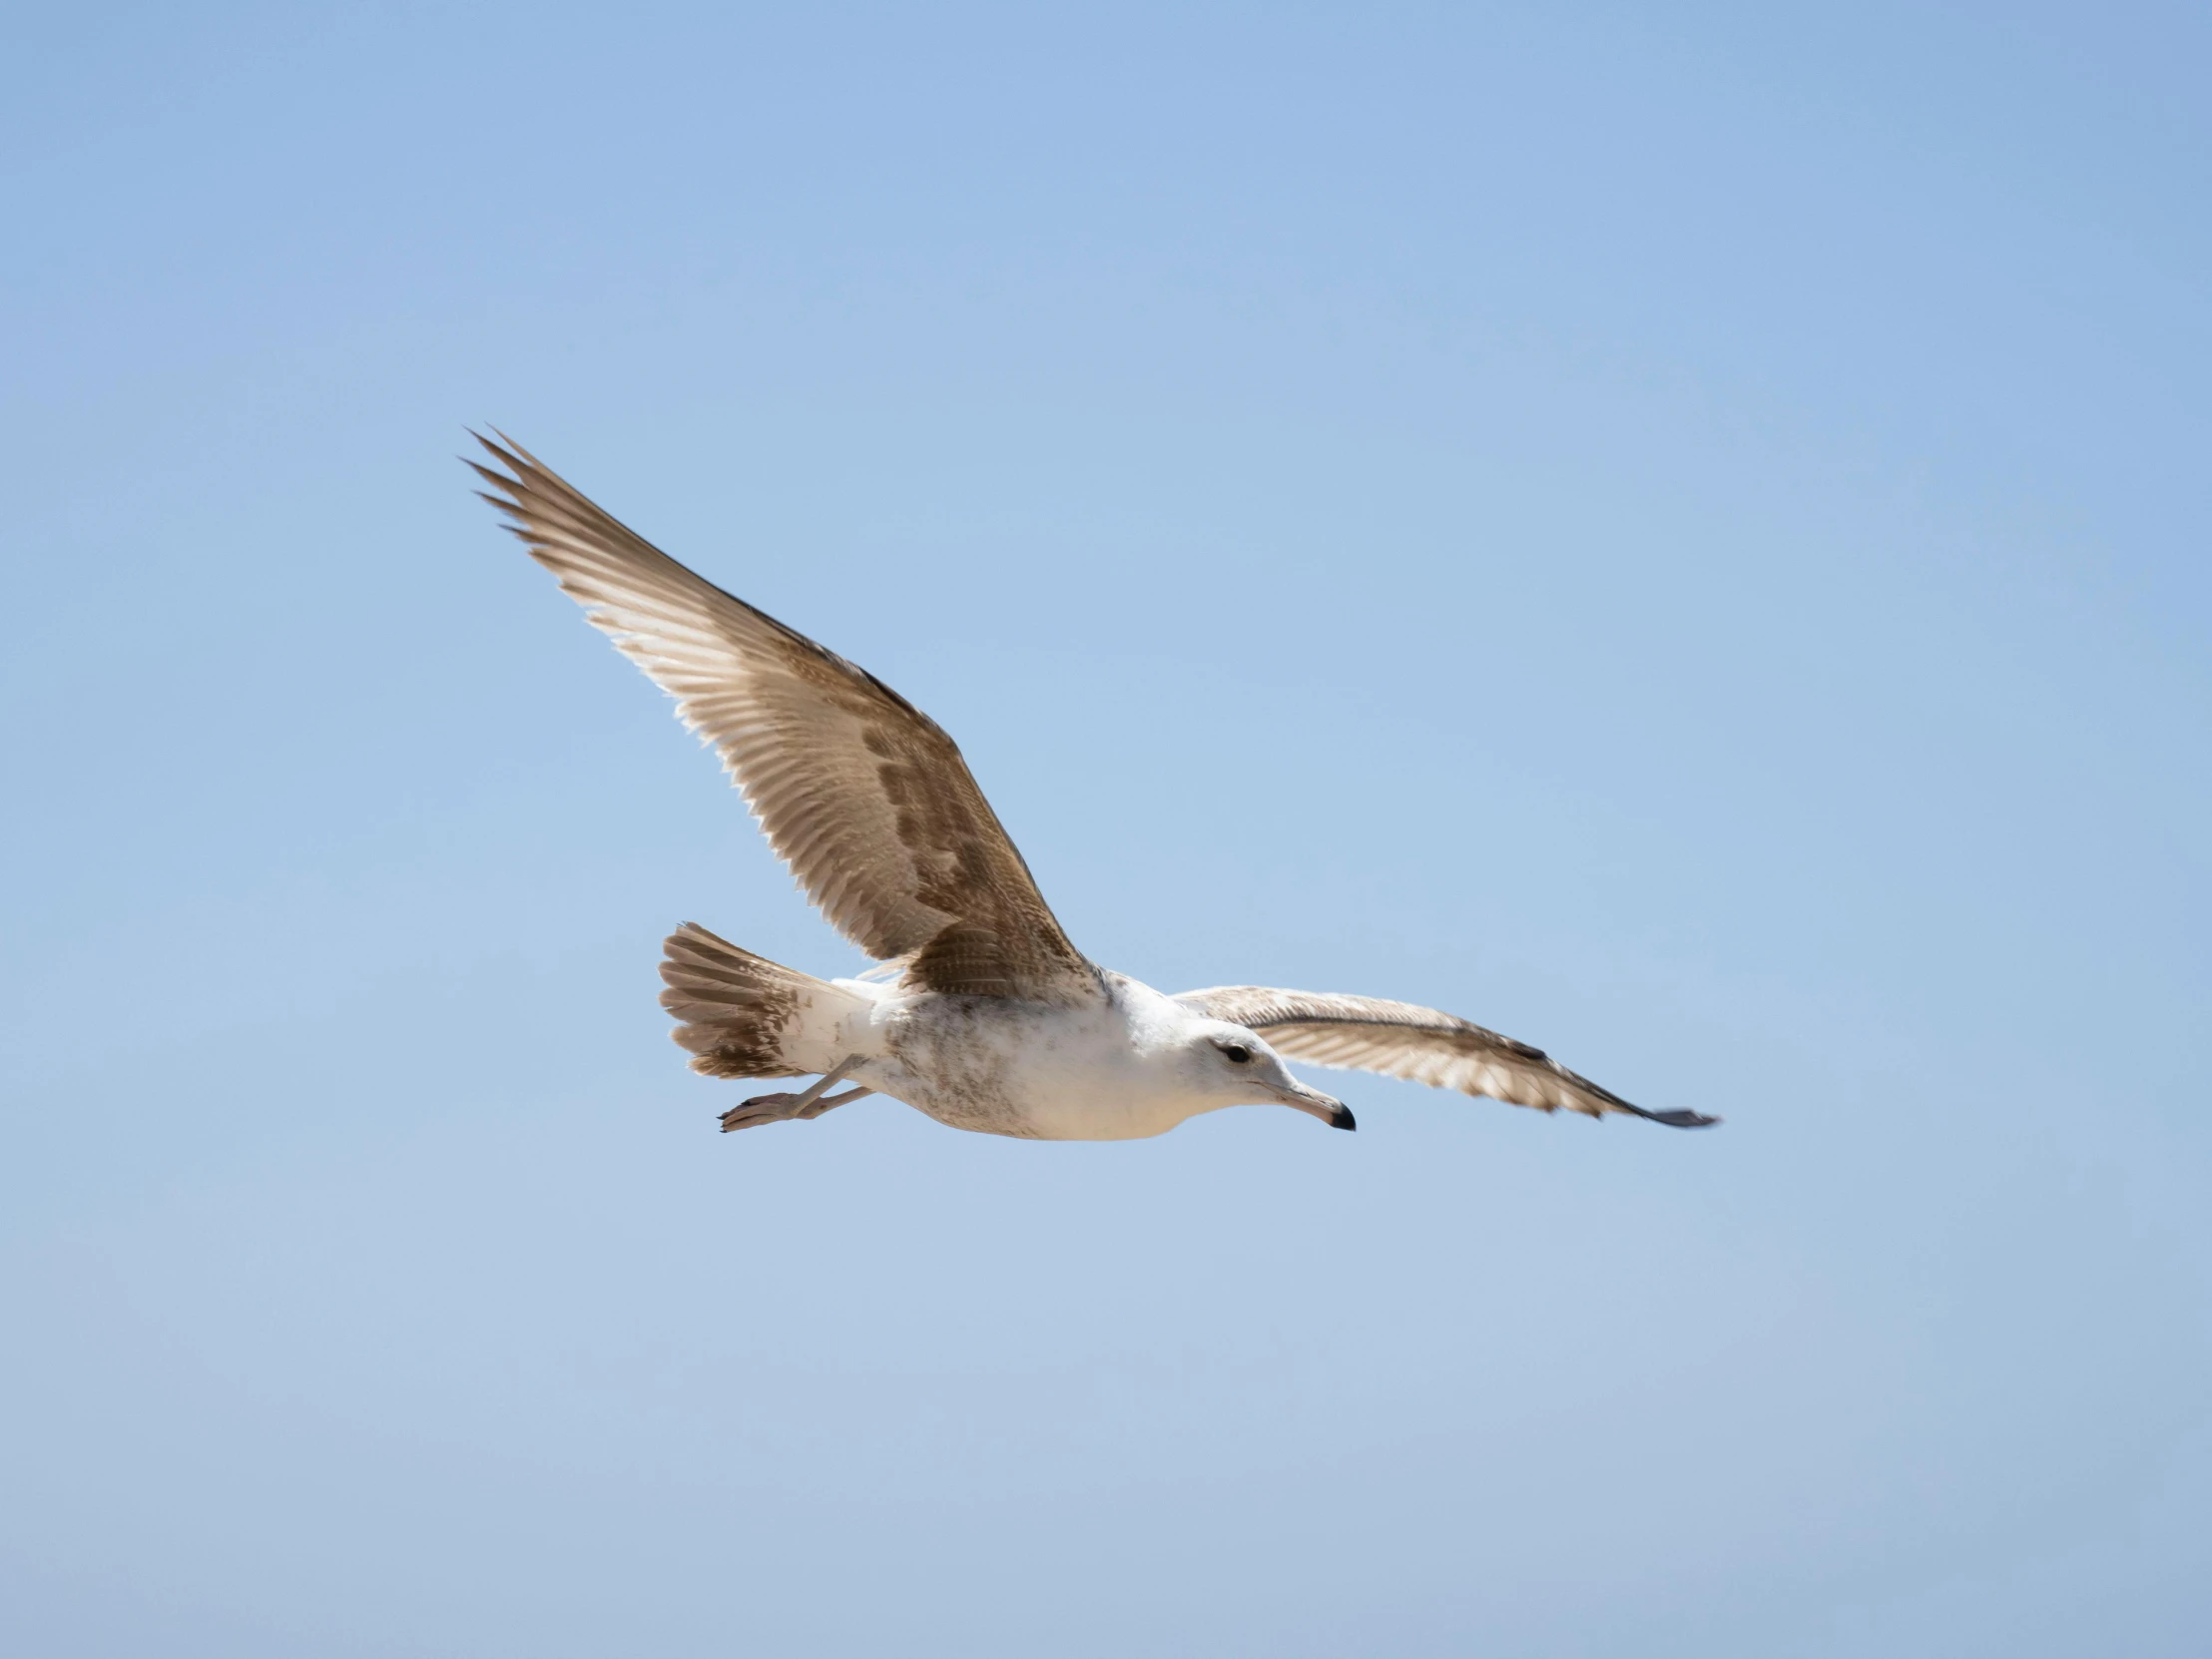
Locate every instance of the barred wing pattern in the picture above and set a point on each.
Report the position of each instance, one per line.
(860, 792)
(1423, 1045)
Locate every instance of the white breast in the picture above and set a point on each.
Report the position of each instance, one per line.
(1097, 1073)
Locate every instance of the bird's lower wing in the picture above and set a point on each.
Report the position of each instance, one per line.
(1423, 1045)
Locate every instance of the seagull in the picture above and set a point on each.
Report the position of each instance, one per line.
(980, 1012)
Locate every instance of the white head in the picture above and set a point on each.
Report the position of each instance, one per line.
(1227, 1065)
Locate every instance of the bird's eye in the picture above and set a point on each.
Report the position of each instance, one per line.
(1237, 1052)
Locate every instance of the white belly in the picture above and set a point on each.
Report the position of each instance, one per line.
(1008, 1068)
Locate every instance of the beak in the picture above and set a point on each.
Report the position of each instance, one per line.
(1314, 1103)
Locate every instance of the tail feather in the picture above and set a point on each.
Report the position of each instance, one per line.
(742, 1015)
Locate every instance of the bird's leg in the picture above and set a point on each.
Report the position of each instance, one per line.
(822, 1105)
(775, 1108)
(824, 1083)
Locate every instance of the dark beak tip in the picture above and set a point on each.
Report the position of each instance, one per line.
(1342, 1118)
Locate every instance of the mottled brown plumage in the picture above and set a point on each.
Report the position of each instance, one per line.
(860, 792)
(733, 1008)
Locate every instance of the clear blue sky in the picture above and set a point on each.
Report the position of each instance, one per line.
(1682, 537)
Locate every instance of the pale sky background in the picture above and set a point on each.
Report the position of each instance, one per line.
(1680, 536)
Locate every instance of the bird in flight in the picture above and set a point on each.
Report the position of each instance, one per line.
(981, 1012)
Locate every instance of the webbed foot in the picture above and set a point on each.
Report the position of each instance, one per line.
(784, 1108)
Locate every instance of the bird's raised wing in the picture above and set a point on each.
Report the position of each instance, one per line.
(860, 792)
(1400, 1039)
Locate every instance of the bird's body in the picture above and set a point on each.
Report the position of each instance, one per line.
(1110, 1070)
(991, 1020)
(1119, 1065)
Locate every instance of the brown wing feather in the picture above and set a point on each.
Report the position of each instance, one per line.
(860, 792)
(1423, 1045)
